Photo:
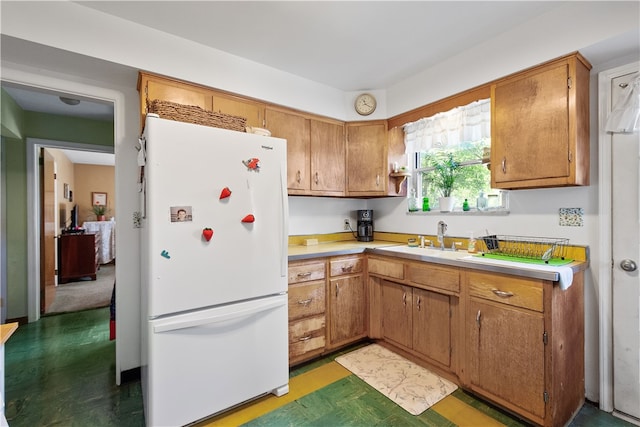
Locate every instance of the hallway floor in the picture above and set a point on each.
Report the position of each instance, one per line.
(60, 371)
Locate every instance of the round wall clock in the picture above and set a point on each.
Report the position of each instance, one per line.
(365, 104)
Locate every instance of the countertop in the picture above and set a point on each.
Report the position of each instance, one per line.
(6, 330)
(461, 259)
(298, 252)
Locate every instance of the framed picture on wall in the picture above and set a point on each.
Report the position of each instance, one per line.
(66, 191)
(99, 199)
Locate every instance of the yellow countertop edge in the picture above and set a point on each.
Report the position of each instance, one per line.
(296, 243)
(6, 330)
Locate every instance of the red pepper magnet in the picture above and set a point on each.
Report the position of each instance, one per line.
(225, 193)
(249, 218)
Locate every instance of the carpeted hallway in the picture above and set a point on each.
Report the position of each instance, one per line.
(85, 294)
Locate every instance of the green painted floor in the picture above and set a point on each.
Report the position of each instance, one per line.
(60, 371)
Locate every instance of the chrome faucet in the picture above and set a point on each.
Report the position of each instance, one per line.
(442, 229)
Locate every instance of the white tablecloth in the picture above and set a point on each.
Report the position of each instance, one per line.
(107, 231)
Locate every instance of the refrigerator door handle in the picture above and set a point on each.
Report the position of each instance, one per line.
(219, 318)
(284, 249)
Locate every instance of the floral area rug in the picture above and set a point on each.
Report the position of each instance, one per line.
(412, 387)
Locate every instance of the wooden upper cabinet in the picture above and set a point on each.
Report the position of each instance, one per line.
(153, 87)
(367, 169)
(315, 152)
(235, 106)
(296, 130)
(540, 126)
(327, 157)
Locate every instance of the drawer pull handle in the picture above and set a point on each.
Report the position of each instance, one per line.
(298, 177)
(478, 318)
(307, 274)
(337, 290)
(404, 299)
(418, 303)
(347, 268)
(307, 338)
(502, 294)
(305, 302)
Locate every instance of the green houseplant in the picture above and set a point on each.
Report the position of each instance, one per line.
(99, 211)
(443, 177)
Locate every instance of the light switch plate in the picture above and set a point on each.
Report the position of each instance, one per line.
(572, 217)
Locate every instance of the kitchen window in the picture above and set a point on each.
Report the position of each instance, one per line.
(462, 134)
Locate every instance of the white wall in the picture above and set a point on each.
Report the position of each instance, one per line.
(534, 212)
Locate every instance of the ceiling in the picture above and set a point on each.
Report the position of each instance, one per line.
(347, 45)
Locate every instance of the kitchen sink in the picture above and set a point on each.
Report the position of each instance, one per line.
(428, 252)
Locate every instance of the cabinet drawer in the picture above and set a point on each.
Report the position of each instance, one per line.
(510, 290)
(435, 277)
(306, 335)
(305, 272)
(386, 268)
(342, 266)
(306, 299)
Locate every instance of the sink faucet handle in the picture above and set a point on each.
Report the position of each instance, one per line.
(421, 241)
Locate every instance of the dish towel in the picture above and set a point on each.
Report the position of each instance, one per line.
(565, 274)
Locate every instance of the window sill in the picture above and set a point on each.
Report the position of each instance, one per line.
(473, 212)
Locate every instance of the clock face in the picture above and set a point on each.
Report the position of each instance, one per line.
(365, 104)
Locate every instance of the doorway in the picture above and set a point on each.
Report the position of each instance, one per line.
(81, 248)
(619, 256)
(34, 209)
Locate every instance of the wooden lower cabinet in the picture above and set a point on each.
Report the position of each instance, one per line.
(347, 302)
(307, 306)
(417, 319)
(525, 345)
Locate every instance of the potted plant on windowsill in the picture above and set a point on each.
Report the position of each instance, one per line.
(99, 211)
(444, 175)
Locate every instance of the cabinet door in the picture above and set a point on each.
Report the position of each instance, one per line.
(347, 309)
(505, 354)
(367, 159)
(252, 111)
(327, 158)
(397, 313)
(432, 325)
(530, 124)
(295, 129)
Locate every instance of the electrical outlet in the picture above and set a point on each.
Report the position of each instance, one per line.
(347, 224)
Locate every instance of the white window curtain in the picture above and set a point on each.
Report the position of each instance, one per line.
(450, 129)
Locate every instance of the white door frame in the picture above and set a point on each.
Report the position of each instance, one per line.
(33, 146)
(605, 270)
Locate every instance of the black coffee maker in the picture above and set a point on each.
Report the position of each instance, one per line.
(365, 225)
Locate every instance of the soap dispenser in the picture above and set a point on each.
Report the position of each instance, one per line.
(471, 247)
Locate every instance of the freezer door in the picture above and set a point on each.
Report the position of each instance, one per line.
(204, 362)
(223, 179)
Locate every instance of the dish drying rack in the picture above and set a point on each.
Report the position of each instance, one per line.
(538, 248)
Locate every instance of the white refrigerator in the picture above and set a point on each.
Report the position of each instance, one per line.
(214, 286)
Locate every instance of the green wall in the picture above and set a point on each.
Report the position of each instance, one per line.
(27, 124)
